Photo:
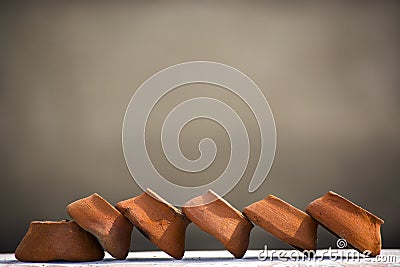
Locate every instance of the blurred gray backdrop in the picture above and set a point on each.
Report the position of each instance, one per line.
(329, 69)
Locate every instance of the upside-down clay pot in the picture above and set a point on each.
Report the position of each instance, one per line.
(64, 240)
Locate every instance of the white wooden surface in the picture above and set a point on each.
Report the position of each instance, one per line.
(224, 258)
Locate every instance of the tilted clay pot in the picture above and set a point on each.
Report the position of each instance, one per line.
(158, 220)
(360, 228)
(284, 221)
(97, 216)
(214, 215)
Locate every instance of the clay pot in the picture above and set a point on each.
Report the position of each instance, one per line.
(214, 215)
(107, 224)
(51, 241)
(284, 221)
(360, 228)
(158, 220)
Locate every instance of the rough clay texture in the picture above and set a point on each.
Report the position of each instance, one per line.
(284, 221)
(217, 217)
(50, 241)
(360, 228)
(97, 216)
(158, 220)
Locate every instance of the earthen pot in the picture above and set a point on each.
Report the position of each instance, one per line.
(284, 221)
(64, 240)
(214, 215)
(106, 223)
(158, 220)
(360, 228)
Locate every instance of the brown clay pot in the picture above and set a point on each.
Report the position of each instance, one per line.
(51, 241)
(214, 215)
(97, 216)
(158, 220)
(360, 228)
(284, 221)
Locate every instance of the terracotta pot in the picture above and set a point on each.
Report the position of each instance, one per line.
(284, 221)
(360, 228)
(158, 220)
(50, 241)
(214, 215)
(97, 216)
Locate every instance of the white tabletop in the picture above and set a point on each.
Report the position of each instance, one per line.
(344, 257)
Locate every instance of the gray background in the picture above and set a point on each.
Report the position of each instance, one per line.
(330, 71)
